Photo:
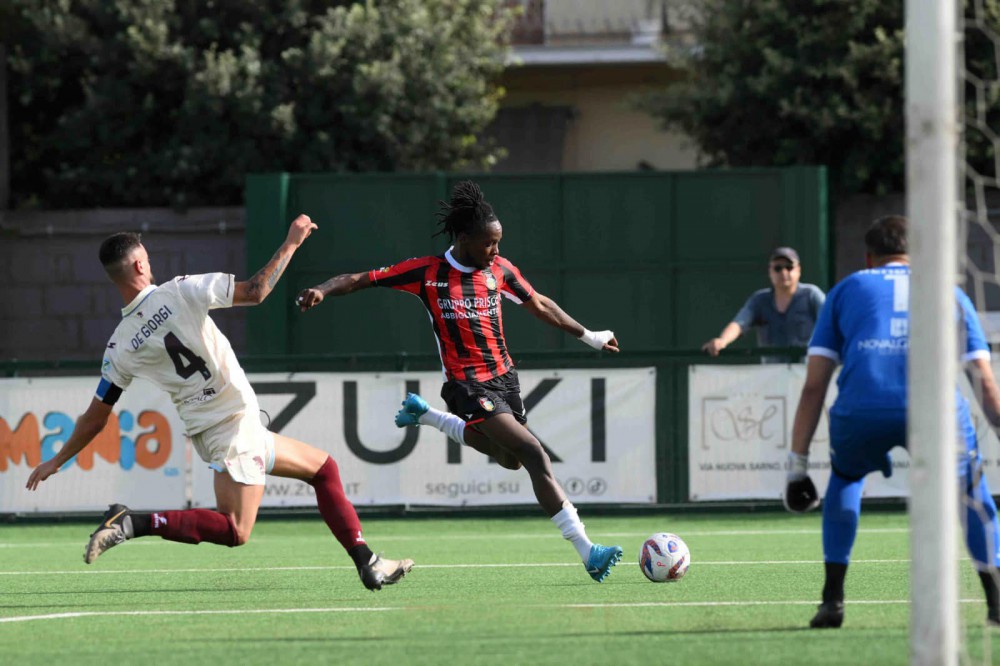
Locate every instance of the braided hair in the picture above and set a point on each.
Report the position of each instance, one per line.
(466, 212)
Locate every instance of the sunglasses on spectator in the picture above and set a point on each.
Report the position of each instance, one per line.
(777, 268)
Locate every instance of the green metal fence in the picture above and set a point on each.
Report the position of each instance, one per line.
(663, 259)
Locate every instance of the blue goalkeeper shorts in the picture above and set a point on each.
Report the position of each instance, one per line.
(860, 441)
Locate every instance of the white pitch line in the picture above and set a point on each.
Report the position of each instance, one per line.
(687, 604)
(623, 535)
(501, 565)
(277, 611)
(241, 611)
(697, 562)
(615, 535)
(488, 535)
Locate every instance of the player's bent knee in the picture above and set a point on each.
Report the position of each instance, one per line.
(240, 537)
(240, 533)
(533, 457)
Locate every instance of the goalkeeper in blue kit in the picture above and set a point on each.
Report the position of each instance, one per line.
(864, 325)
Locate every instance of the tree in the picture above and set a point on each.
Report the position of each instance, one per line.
(155, 102)
(7, 29)
(982, 91)
(783, 82)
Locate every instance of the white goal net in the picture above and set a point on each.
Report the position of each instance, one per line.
(978, 253)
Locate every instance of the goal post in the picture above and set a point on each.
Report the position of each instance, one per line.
(933, 128)
(952, 102)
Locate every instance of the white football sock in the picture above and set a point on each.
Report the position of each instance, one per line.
(572, 530)
(449, 424)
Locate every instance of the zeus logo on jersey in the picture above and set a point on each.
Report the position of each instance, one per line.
(153, 323)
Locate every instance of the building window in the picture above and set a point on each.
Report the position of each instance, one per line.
(533, 137)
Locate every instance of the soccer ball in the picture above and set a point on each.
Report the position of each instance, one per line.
(664, 558)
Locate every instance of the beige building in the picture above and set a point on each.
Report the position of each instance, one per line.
(574, 66)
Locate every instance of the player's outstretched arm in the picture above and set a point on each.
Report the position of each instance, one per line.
(87, 427)
(985, 385)
(257, 288)
(339, 285)
(549, 311)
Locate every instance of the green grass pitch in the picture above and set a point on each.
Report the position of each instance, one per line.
(484, 591)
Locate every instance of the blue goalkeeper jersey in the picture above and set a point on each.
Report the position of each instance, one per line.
(865, 325)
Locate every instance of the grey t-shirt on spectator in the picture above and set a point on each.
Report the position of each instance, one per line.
(791, 328)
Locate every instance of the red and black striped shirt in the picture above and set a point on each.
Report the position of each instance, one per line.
(464, 307)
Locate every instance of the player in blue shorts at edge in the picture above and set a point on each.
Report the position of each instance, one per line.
(865, 326)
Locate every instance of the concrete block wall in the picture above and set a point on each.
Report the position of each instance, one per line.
(57, 303)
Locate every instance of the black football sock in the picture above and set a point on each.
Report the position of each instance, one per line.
(833, 588)
(361, 554)
(989, 581)
(142, 524)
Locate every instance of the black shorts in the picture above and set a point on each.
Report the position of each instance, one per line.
(478, 401)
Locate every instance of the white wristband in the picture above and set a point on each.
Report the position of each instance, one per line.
(596, 339)
(798, 466)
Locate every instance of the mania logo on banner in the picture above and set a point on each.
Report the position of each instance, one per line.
(597, 426)
(138, 459)
(740, 427)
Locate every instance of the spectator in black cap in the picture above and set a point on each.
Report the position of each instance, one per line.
(783, 315)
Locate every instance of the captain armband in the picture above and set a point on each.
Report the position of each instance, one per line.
(107, 392)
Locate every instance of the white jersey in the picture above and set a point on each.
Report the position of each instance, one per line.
(167, 337)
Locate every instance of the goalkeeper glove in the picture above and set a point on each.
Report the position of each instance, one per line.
(800, 492)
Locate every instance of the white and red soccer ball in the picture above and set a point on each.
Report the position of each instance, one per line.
(664, 558)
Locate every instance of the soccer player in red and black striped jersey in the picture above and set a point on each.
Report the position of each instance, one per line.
(461, 290)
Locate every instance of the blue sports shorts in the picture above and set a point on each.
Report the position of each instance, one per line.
(860, 441)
